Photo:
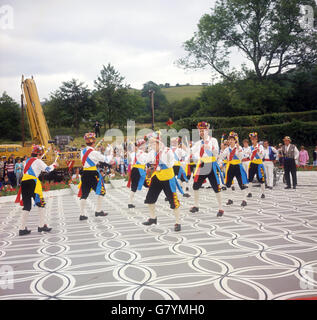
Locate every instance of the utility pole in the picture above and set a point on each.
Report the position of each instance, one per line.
(22, 121)
(151, 93)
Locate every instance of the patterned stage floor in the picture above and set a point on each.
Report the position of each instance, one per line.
(267, 250)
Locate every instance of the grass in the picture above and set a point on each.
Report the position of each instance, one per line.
(178, 93)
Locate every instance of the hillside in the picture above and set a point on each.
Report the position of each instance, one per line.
(181, 92)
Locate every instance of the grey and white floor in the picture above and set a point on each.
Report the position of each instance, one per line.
(267, 250)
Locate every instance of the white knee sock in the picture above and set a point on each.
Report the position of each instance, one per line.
(250, 187)
(24, 219)
(83, 203)
(244, 194)
(196, 198)
(132, 194)
(262, 188)
(219, 200)
(230, 193)
(42, 217)
(152, 211)
(99, 204)
(177, 214)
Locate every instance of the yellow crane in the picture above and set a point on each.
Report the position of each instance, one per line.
(39, 130)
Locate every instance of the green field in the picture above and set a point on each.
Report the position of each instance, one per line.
(179, 93)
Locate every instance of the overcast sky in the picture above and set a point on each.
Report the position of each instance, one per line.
(57, 40)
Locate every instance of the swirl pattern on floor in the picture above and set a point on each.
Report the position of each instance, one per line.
(267, 250)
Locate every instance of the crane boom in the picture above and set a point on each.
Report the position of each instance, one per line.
(38, 127)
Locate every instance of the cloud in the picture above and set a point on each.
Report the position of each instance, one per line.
(59, 40)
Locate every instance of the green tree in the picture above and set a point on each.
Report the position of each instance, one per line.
(267, 33)
(10, 117)
(70, 105)
(109, 96)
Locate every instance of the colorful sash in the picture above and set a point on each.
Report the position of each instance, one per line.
(31, 176)
(100, 189)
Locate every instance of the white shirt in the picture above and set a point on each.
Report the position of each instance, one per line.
(211, 145)
(246, 152)
(142, 157)
(38, 166)
(226, 153)
(166, 157)
(94, 156)
(181, 154)
(266, 152)
(260, 151)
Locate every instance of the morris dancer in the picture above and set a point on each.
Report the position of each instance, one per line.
(91, 177)
(233, 154)
(206, 150)
(180, 156)
(269, 157)
(246, 155)
(138, 160)
(191, 164)
(256, 164)
(31, 188)
(164, 179)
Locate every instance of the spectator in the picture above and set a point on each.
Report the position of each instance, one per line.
(6, 185)
(2, 167)
(97, 129)
(18, 170)
(315, 157)
(24, 160)
(280, 154)
(76, 175)
(10, 171)
(303, 157)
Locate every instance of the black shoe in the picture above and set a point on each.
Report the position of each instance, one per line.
(263, 196)
(177, 227)
(249, 195)
(101, 214)
(187, 189)
(186, 195)
(24, 232)
(45, 228)
(294, 187)
(81, 218)
(233, 188)
(131, 206)
(244, 203)
(288, 187)
(229, 202)
(224, 188)
(220, 213)
(194, 209)
(150, 222)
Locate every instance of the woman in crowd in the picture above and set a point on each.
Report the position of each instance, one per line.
(303, 157)
(18, 170)
(10, 172)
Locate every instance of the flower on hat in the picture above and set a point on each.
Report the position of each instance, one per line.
(203, 125)
(90, 137)
(253, 135)
(37, 149)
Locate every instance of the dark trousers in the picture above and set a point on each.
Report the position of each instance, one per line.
(290, 168)
(234, 172)
(156, 187)
(27, 191)
(89, 181)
